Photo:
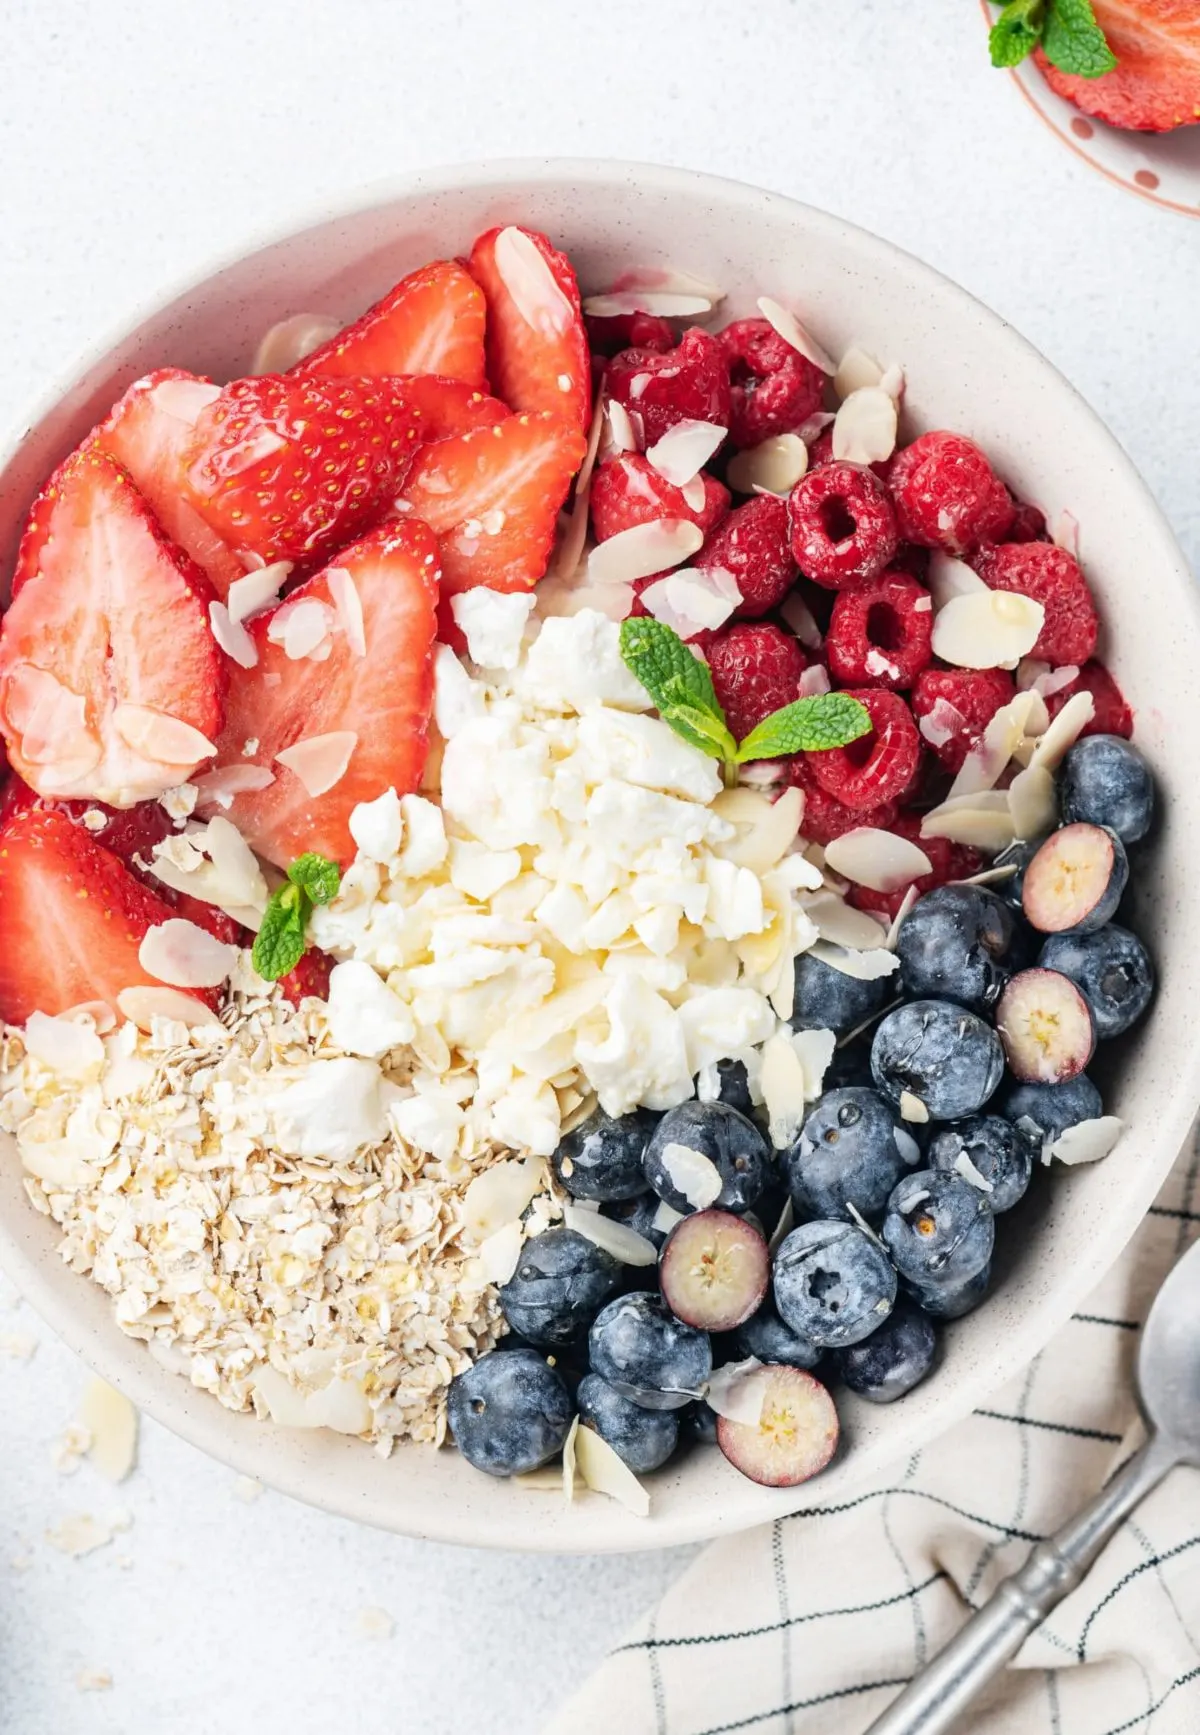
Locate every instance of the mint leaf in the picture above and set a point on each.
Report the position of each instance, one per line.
(279, 943)
(1017, 31)
(701, 729)
(316, 875)
(807, 726)
(1074, 42)
(658, 657)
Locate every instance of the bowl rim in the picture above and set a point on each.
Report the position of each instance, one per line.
(206, 1426)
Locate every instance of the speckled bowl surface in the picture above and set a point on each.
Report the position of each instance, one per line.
(966, 370)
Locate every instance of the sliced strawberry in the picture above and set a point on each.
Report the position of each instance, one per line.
(377, 699)
(1155, 85)
(537, 350)
(71, 918)
(492, 499)
(450, 407)
(287, 467)
(111, 684)
(432, 322)
(309, 978)
(147, 432)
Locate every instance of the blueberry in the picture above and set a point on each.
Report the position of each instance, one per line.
(1045, 1111)
(833, 1284)
(718, 1132)
(1017, 855)
(561, 1282)
(602, 1157)
(1000, 1154)
(847, 1154)
(895, 1358)
(1111, 968)
(639, 1214)
(954, 945)
(851, 1064)
(828, 999)
(699, 1423)
(644, 1439)
(951, 1301)
(641, 1349)
(733, 1086)
(765, 1336)
(939, 1230)
(1105, 781)
(943, 1055)
(510, 1412)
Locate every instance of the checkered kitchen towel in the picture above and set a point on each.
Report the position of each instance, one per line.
(811, 1625)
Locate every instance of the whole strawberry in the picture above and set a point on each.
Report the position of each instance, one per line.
(288, 468)
(756, 669)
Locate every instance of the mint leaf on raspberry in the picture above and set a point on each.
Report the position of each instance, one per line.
(807, 726)
(1074, 42)
(1017, 31)
(279, 943)
(316, 875)
(656, 655)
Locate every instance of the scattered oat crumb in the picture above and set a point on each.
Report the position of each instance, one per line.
(20, 1345)
(246, 1489)
(79, 1534)
(94, 1680)
(124, 1562)
(111, 1423)
(67, 1452)
(374, 1623)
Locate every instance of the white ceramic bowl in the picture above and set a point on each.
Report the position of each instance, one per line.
(967, 370)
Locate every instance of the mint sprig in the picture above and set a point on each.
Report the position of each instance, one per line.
(281, 941)
(682, 690)
(1066, 29)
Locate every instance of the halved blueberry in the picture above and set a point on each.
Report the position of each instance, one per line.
(714, 1270)
(1046, 1027)
(1075, 881)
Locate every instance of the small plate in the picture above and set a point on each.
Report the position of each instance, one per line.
(1162, 168)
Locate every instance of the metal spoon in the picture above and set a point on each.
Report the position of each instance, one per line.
(1168, 1382)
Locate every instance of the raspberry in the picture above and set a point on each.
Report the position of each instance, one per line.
(1054, 578)
(824, 816)
(843, 526)
(947, 495)
(608, 336)
(1113, 715)
(756, 669)
(820, 451)
(879, 632)
(954, 706)
(773, 388)
(628, 490)
(1029, 524)
(911, 559)
(948, 861)
(686, 384)
(751, 545)
(879, 766)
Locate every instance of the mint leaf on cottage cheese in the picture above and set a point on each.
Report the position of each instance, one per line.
(279, 943)
(670, 673)
(807, 726)
(317, 876)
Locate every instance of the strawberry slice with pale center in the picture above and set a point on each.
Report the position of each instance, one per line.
(537, 349)
(336, 709)
(111, 684)
(432, 322)
(72, 919)
(493, 497)
(450, 407)
(148, 432)
(1155, 85)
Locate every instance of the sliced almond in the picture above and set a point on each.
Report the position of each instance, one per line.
(906, 903)
(320, 761)
(290, 341)
(112, 1422)
(300, 627)
(230, 780)
(989, 757)
(693, 1174)
(165, 740)
(880, 860)
(856, 369)
(684, 450)
(232, 636)
(912, 1109)
(615, 1237)
(670, 281)
(348, 603)
(782, 1083)
(500, 1253)
(664, 303)
(535, 290)
(500, 1194)
(734, 1392)
(257, 591)
(773, 467)
(868, 966)
(980, 827)
(795, 334)
(773, 826)
(183, 400)
(1064, 731)
(1032, 804)
(693, 600)
(1064, 532)
(142, 1005)
(184, 955)
(814, 681)
(600, 1469)
(991, 629)
(622, 436)
(948, 578)
(864, 429)
(840, 922)
(1087, 1141)
(644, 550)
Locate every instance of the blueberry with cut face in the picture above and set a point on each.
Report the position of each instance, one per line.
(1105, 781)
(727, 1139)
(952, 1301)
(510, 1412)
(895, 1358)
(940, 1053)
(648, 1355)
(998, 1153)
(846, 1154)
(1044, 1111)
(561, 1282)
(1045, 1026)
(939, 1230)
(955, 944)
(601, 1158)
(1112, 970)
(642, 1438)
(1076, 880)
(768, 1339)
(828, 999)
(833, 1284)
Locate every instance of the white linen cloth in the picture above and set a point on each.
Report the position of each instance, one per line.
(812, 1624)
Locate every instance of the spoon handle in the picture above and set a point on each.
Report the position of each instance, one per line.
(935, 1699)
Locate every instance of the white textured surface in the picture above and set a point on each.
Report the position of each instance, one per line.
(137, 142)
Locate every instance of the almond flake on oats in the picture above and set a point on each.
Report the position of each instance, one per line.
(143, 1006)
(348, 604)
(735, 1393)
(664, 303)
(615, 1237)
(320, 761)
(231, 636)
(600, 1469)
(773, 467)
(289, 341)
(856, 369)
(880, 860)
(644, 550)
(864, 429)
(684, 450)
(990, 630)
(1032, 803)
(1064, 731)
(692, 599)
(527, 276)
(792, 332)
(184, 955)
(948, 577)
